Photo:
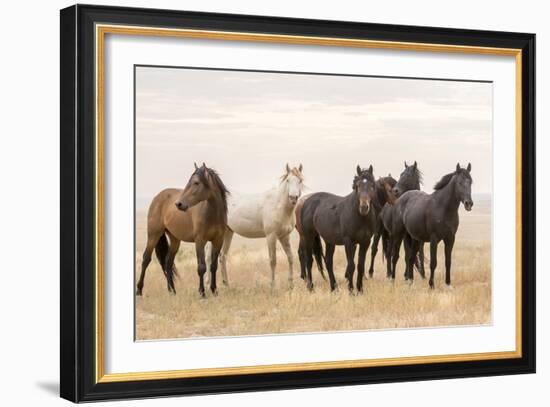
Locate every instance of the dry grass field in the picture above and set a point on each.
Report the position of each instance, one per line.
(250, 307)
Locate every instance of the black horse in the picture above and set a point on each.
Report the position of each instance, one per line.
(347, 221)
(410, 179)
(384, 195)
(420, 217)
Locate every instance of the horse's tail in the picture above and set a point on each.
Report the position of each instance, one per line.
(318, 254)
(161, 250)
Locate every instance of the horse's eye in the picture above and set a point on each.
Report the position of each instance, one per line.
(196, 183)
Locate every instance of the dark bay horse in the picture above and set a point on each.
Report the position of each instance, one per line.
(384, 194)
(420, 217)
(317, 247)
(347, 221)
(198, 213)
(409, 180)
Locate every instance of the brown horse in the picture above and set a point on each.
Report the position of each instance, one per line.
(198, 213)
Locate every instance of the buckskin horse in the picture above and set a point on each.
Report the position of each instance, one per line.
(198, 214)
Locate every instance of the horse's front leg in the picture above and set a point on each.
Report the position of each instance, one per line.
(216, 248)
(449, 243)
(272, 250)
(374, 250)
(350, 255)
(363, 247)
(285, 242)
(201, 264)
(329, 260)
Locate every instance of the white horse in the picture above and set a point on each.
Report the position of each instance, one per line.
(270, 215)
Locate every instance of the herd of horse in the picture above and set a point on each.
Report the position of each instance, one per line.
(395, 211)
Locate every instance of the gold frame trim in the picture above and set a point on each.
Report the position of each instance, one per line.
(103, 29)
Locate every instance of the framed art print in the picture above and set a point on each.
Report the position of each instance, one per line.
(254, 203)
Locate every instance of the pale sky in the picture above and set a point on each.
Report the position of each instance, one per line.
(248, 125)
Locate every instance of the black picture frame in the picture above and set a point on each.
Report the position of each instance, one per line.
(77, 210)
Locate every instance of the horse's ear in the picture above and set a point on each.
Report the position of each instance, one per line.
(370, 169)
(469, 168)
(196, 166)
(389, 174)
(203, 165)
(300, 167)
(414, 165)
(358, 169)
(405, 162)
(457, 167)
(287, 168)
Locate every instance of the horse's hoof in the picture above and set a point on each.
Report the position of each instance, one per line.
(138, 292)
(225, 283)
(215, 292)
(432, 285)
(449, 287)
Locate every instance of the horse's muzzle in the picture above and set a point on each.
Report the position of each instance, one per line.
(468, 205)
(364, 209)
(181, 206)
(293, 199)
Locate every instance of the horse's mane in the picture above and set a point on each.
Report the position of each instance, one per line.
(447, 178)
(419, 175)
(293, 171)
(380, 188)
(216, 180)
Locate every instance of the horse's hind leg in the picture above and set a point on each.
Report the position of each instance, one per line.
(227, 239)
(285, 242)
(433, 260)
(169, 262)
(302, 259)
(396, 247)
(421, 270)
(151, 243)
(308, 258)
(409, 258)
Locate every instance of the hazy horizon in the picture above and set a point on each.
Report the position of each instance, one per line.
(248, 125)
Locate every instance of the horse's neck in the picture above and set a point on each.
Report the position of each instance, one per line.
(352, 201)
(446, 196)
(283, 204)
(215, 208)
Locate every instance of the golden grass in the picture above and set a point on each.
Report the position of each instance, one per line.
(250, 307)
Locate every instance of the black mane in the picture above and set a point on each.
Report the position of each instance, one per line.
(447, 178)
(224, 192)
(419, 175)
